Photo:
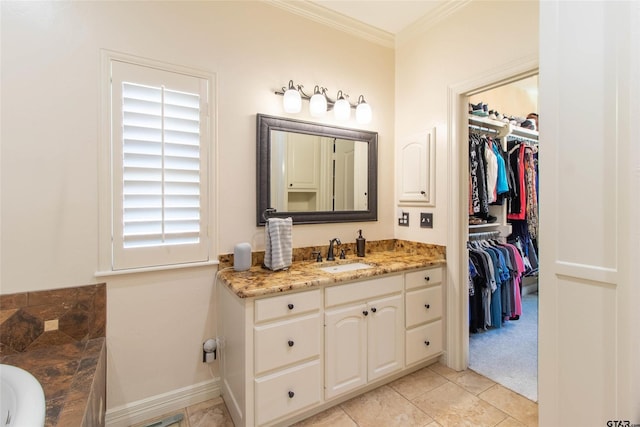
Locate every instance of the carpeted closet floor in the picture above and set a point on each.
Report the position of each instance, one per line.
(509, 355)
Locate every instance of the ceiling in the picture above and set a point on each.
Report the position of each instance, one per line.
(391, 16)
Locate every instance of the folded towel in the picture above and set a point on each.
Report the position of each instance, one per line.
(277, 245)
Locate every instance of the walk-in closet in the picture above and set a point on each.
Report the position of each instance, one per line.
(503, 234)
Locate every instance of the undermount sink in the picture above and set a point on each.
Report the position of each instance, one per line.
(341, 268)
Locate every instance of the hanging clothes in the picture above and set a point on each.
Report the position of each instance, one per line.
(495, 271)
(488, 174)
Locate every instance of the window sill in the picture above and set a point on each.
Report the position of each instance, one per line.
(155, 268)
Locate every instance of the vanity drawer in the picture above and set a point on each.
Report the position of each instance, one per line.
(287, 391)
(361, 291)
(423, 305)
(286, 305)
(416, 279)
(286, 342)
(423, 342)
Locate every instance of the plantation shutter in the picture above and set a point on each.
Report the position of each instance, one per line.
(159, 166)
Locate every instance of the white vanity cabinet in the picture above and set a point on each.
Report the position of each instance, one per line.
(423, 321)
(363, 333)
(287, 355)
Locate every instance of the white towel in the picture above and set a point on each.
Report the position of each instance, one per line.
(277, 245)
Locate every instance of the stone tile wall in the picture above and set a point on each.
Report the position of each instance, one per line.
(34, 320)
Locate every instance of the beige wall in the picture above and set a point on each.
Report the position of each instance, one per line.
(450, 53)
(50, 95)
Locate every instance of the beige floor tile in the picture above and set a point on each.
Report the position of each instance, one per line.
(183, 423)
(412, 385)
(443, 370)
(211, 413)
(384, 407)
(332, 417)
(451, 405)
(511, 422)
(519, 407)
(472, 381)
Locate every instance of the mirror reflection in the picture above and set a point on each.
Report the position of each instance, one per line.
(312, 173)
(315, 173)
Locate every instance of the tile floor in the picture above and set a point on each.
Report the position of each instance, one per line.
(431, 397)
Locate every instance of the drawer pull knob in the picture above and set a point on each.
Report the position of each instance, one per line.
(365, 312)
(427, 306)
(427, 278)
(290, 306)
(427, 343)
(373, 309)
(290, 343)
(291, 394)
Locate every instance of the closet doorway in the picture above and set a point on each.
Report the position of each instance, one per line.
(501, 237)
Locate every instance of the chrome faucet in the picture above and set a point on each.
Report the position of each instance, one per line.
(330, 256)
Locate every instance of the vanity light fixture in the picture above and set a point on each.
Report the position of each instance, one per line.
(342, 108)
(363, 111)
(320, 103)
(292, 102)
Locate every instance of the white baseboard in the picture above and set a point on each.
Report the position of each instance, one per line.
(155, 406)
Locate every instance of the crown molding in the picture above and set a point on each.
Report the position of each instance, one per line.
(336, 20)
(447, 8)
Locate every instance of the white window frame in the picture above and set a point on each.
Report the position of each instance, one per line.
(114, 258)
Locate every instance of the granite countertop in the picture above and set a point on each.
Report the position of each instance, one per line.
(258, 281)
(68, 373)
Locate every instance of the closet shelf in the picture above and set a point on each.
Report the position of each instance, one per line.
(503, 129)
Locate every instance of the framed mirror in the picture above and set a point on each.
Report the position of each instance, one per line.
(315, 173)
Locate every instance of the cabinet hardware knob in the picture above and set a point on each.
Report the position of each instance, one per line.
(291, 394)
(365, 312)
(427, 343)
(290, 343)
(427, 278)
(290, 185)
(427, 306)
(374, 309)
(290, 306)
(423, 192)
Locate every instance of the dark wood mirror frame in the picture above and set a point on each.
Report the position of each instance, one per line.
(265, 124)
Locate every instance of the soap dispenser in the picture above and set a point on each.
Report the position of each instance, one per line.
(360, 242)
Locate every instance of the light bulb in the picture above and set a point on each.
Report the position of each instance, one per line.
(342, 108)
(363, 111)
(318, 104)
(292, 102)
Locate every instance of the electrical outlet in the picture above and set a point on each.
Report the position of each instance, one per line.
(404, 219)
(426, 220)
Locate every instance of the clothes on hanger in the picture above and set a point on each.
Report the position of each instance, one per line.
(495, 271)
(488, 173)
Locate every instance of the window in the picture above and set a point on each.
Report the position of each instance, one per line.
(159, 151)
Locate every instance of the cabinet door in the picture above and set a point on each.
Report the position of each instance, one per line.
(303, 162)
(385, 336)
(345, 349)
(416, 167)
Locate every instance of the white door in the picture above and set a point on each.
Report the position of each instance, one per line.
(589, 344)
(345, 349)
(385, 336)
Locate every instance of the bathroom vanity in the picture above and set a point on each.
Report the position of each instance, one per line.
(296, 342)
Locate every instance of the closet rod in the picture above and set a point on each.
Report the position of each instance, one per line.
(485, 235)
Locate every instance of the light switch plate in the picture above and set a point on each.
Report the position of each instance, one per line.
(426, 220)
(404, 219)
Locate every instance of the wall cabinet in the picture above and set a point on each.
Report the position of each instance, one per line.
(285, 355)
(416, 166)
